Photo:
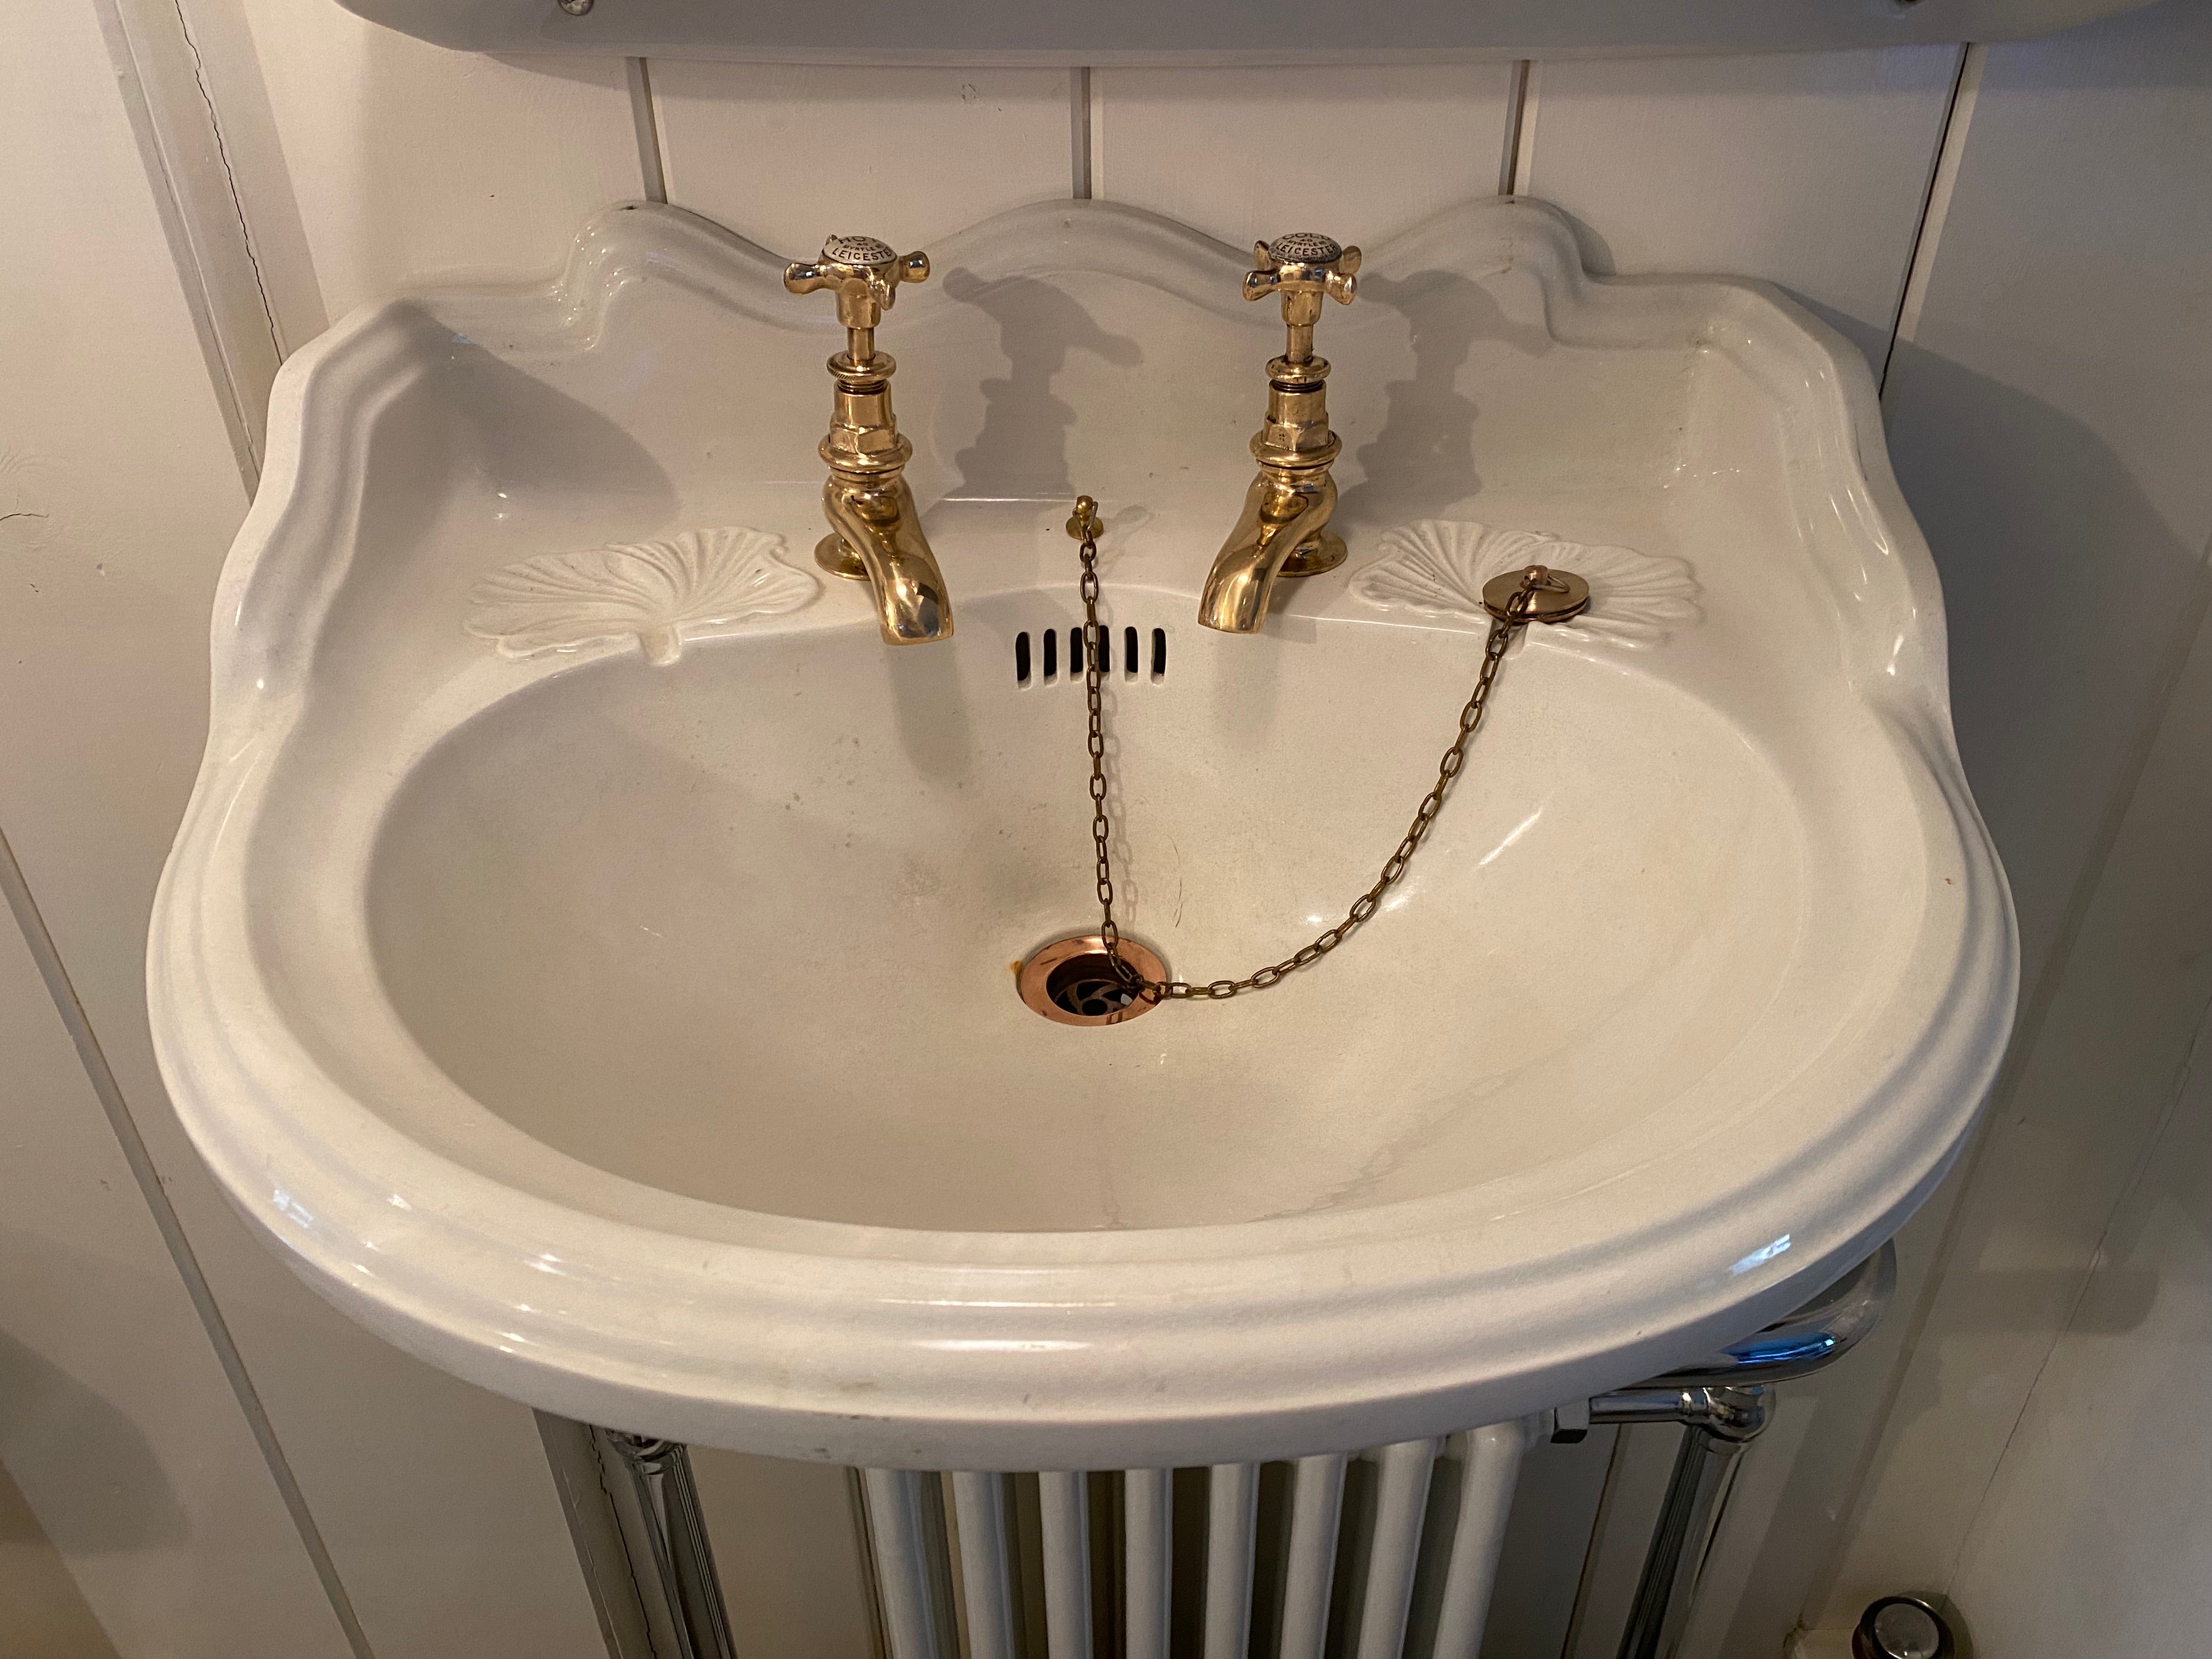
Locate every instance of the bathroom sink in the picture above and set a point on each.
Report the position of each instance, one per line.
(590, 953)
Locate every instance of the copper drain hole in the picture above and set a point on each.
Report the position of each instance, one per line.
(1071, 981)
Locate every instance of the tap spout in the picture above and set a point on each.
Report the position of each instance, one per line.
(1282, 514)
(876, 520)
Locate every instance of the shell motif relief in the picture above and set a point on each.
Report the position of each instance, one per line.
(1438, 567)
(660, 593)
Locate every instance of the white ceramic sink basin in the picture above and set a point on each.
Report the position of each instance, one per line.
(743, 893)
(588, 952)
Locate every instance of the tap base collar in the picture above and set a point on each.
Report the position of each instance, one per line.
(834, 555)
(1324, 552)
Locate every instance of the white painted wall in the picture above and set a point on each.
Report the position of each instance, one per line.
(120, 1431)
(2049, 416)
(907, 154)
(118, 1423)
(1808, 169)
(46, 1616)
(120, 491)
(2094, 1533)
(2048, 399)
(1377, 150)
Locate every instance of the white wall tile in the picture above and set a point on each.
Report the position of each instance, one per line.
(1807, 169)
(784, 155)
(366, 161)
(1359, 154)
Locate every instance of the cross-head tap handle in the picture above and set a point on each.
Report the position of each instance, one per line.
(1303, 266)
(864, 273)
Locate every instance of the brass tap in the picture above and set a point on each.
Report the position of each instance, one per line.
(875, 528)
(1284, 529)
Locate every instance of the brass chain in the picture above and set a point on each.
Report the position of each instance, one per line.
(1502, 629)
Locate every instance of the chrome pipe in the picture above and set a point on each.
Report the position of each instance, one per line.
(1721, 1400)
(1697, 1495)
(1722, 1404)
(1807, 1340)
(676, 1531)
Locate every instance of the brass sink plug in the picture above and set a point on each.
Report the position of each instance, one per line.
(875, 528)
(1284, 529)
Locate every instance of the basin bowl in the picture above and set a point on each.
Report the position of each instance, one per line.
(738, 931)
(590, 955)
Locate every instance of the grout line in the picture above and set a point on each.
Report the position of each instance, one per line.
(1524, 127)
(141, 1162)
(652, 164)
(1935, 207)
(1517, 105)
(1095, 102)
(1078, 134)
